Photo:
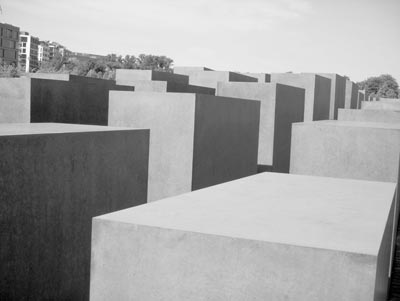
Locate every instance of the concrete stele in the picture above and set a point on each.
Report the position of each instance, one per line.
(55, 178)
(281, 105)
(222, 243)
(317, 92)
(196, 140)
(385, 116)
(338, 93)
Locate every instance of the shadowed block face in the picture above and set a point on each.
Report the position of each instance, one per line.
(281, 105)
(195, 141)
(338, 93)
(55, 178)
(221, 242)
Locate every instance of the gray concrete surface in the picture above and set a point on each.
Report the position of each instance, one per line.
(369, 115)
(281, 105)
(361, 97)
(338, 93)
(15, 104)
(196, 140)
(165, 86)
(346, 149)
(267, 237)
(210, 78)
(133, 75)
(317, 92)
(54, 179)
(393, 105)
(187, 70)
(351, 97)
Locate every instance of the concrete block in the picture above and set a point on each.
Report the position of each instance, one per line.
(361, 97)
(187, 70)
(165, 86)
(338, 93)
(124, 75)
(351, 98)
(211, 78)
(72, 99)
(317, 92)
(345, 149)
(393, 105)
(54, 179)
(196, 140)
(267, 237)
(369, 115)
(261, 77)
(281, 105)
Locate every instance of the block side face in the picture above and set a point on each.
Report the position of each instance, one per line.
(321, 98)
(54, 184)
(354, 97)
(289, 108)
(53, 76)
(15, 100)
(225, 140)
(348, 95)
(170, 118)
(305, 81)
(185, 88)
(340, 94)
(129, 75)
(261, 77)
(81, 100)
(380, 105)
(386, 251)
(334, 151)
(267, 95)
(146, 85)
(208, 79)
(385, 116)
(217, 267)
(170, 77)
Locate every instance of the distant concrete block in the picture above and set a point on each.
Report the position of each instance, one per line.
(338, 93)
(187, 70)
(54, 179)
(65, 99)
(345, 149)
(165, 86)
(317, 92)
(211, 78)
(281, 105)
(351, 98)
(393, 105)
(361, 97)
(385, 116)
(267, 237)
(126, 75)
(261, 77)
(196, 140)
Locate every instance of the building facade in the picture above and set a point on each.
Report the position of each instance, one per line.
(43, 52)
(9, 36)
(28, 52)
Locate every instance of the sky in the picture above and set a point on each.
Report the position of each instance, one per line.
(357, 38)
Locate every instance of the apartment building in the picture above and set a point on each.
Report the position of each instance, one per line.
(9, 36)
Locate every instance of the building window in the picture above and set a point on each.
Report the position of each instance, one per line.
(24, 39)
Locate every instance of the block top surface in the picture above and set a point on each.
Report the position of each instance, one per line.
(317, 212)
(361, 124)
(12, 129)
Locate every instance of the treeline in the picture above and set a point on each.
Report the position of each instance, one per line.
(99, 68)
(384, 85)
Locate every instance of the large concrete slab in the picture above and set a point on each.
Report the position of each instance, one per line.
(72, 99)
(338, 93)
(281, 105)
(266, 237)
(361, 97)
(346, 149)
(165, 86)
(369, 115)
(351, 98)
(210, 78)
(317, 92)
(54, 179)
(124, 75)
(196, 140)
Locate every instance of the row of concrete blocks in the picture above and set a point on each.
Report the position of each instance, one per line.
(197, 105)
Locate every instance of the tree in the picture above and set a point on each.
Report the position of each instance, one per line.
(384, 85)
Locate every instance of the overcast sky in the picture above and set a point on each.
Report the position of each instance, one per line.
(357, 38)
